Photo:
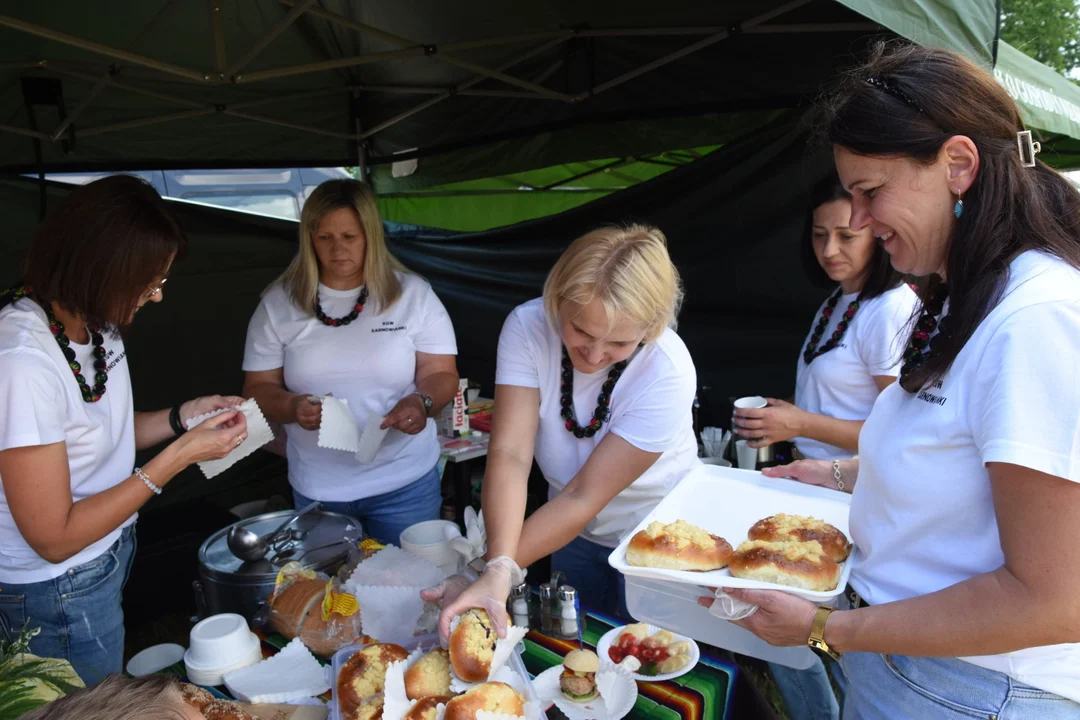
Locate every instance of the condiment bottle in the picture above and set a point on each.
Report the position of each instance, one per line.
(569, 626)
(519, 605)
(547, 601)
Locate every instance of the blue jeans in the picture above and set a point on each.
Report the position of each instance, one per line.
(808, 694)
(884, 687)
(385, 516)
(79, 612)
(598, 585)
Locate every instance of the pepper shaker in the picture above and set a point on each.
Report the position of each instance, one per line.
(547, 603)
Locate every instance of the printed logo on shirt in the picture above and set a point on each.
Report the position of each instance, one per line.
(114, 361)
(929, 397)
(389, 326)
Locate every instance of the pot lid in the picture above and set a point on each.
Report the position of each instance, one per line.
(317, 539)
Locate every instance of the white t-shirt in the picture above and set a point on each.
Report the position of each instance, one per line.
(40, 404)
(650, 409)
(371, 363)
(922, 515)
(840, 383)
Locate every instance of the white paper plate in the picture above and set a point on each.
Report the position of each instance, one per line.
(611, 636)
(727, 502)
(615, 704)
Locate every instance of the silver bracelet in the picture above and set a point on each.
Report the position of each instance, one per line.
(837, 476)
(146, 481)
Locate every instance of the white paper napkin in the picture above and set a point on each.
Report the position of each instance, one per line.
(258, 434)
(371, 439)
(337, 429)
(393, 567)
(390, 614)
(397, 702)
(291, 674)
(618, 693)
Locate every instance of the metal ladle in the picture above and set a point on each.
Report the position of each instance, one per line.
(250, 547)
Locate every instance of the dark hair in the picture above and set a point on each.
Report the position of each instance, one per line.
(152, 697)
(907, 101)
(880, 278)
(102, 247)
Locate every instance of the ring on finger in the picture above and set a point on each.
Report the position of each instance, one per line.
(239, 441)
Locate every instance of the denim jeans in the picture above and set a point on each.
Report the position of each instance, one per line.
(808, 694)
(885, 687)
(598, 585)
(385, 516)
(79, 612)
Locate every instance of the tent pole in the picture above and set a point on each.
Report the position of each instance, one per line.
(98, 87)
(509, 79)
(268, 37)
(146, 121)
(217, 31)
(56, 68)
(463, 86)
(126, 57)
(25, 133)
(587, 173)
(329, 65)
(291, 126)
(813, 28)
(689, 49)
(361, 146)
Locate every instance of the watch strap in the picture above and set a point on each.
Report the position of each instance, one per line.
(817, 631)
(426, 399)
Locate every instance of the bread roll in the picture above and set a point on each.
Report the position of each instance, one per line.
(430, 675)
(786, 528)
(196, 696)
(369, 709)
(225, 710)
(296, 612)
(472, 646)
(426, 708)
(363, 676)
(678, 546)
(494, 696)
(802, 565)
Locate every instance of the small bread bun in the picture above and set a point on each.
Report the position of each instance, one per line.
(225, 710)
(196, 696)
(364, 675)
(430, 675)
(678, 546)
(369, 709)
(426, 708)
(581, 661)
(494, 696)
(802, 565)
(472, 646)
(784, 528)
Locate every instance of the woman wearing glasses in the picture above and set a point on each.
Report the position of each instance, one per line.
(69, 491)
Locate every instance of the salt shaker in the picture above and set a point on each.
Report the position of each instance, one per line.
(519, 605)
(568, 612)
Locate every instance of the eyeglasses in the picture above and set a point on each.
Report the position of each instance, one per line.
(155, 289)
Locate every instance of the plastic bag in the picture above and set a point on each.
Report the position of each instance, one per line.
(314, 608)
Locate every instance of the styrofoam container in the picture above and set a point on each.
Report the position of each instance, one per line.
(218, 645)
(727, 502)
(154, 658)
(431, 641)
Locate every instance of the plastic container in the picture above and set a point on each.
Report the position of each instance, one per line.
(727, 502)
(342, 656)
(154, 659)
(218, 645)
(428, 540)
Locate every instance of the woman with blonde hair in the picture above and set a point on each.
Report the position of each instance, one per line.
(347, 319)
(593, 382)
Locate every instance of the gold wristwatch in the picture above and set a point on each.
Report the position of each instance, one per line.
(817, 632)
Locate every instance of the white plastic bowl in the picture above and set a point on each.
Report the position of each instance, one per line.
(154, 659)
(220, 644)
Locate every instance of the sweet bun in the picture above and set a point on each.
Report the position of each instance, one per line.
(426, 708)
(430, 675)
(225, 710)
(196, 696)
(364, 675)
(472, 646)
(581, 661)
(802, 565)
(786, 528)
(493, 696)
(678, 546)
(369, 709)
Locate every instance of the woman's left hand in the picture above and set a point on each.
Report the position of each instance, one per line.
(409, 416)
(201, 406)
(781, 619)
(778, 422)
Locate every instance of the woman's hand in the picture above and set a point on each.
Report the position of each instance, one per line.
(305, 413)
(781, 619)
(456, 595)
(811, 472)
(213, 439)
(201, 406)
(409, 415)
(778, 422)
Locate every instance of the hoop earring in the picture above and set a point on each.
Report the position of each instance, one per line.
(958, 208)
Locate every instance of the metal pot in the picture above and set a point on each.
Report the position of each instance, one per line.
(319, 540)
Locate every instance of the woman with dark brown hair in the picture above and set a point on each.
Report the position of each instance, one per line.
(69, 491)
(966, 511)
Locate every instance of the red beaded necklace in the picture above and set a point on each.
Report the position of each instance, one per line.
(812, 350)
(345, 320)
(921, 345)
(603, 400)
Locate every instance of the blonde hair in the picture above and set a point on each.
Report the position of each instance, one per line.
(301, 278)
(153, 697)
(628, 269)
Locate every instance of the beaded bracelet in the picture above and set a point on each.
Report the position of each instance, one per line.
(146, 481)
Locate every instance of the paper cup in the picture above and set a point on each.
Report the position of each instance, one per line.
(746, 455)
(155, 658)
(752, 402)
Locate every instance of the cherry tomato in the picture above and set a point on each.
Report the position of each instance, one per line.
(616, 655)
(648, 654)
(661, 655)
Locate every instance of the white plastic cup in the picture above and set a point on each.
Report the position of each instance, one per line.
(220, 640)
(746, 455)
(752, 402)
(429, 540)
(154, 659)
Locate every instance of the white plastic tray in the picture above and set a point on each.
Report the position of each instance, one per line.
(431, 641)
(727, 502)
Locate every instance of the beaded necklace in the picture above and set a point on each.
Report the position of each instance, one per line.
(812, 350)
(338, 322)
(921, 345)
(603, 401)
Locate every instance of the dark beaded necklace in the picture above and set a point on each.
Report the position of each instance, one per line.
(921, 345)
(101, 374)
(603, 400)
(338, 322)
(812, 350)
